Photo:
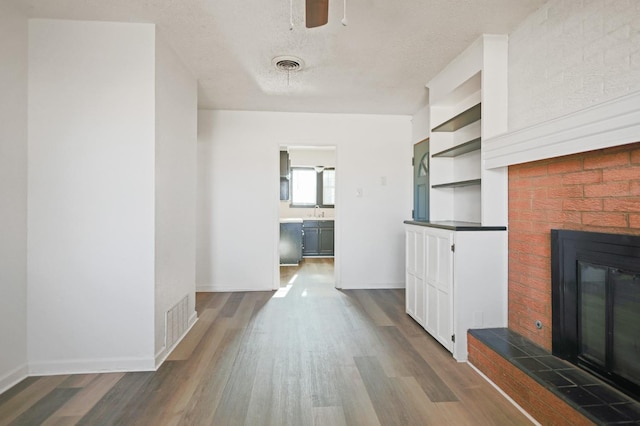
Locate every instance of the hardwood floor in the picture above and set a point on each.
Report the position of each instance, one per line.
(316, 270)
(307, 354)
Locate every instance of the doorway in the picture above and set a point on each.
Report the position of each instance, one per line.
(307, 219)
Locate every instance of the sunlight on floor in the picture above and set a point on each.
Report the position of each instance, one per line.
(310, 278)
(281, 292)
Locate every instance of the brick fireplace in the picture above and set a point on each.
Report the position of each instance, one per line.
(598, 191)
(572, 154)
(595, 191)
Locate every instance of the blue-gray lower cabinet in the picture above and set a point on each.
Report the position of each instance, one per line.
(290, 243)
(318, 239)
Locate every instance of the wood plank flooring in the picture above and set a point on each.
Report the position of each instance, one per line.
(307, 354)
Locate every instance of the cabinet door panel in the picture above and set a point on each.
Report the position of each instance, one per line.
(410, 268)
(431, 303)
(410, 249)
(438, 282)
(420, 309)
(326, 241)
(310, 241)
(410, 294)
(284, 164)
(415, 292)
(444, 328)
(420, 260)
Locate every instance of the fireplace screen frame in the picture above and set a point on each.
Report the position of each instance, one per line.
(568, 247)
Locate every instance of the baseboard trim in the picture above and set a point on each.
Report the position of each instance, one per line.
(13, 377)
(373, 286)
(228, 289)
(504, 394)
(91, 366)
(162, 355)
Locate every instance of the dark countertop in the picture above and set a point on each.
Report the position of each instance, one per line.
(453, 225)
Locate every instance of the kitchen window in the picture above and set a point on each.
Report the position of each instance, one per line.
(310, 188)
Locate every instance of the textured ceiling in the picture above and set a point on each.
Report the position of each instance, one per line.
(379, 63)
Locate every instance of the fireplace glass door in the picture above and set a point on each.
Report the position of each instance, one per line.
(595, 295)
(608, 306)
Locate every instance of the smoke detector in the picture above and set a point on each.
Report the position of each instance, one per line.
(288, 63)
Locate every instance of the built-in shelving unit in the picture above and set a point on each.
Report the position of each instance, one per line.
(456, 143)
(461, 120)
(458, 184)
(463, 148)
(467, 104)
(456, 276)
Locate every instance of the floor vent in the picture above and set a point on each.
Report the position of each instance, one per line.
(177, 321)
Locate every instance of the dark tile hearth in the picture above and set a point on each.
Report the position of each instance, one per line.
(587, 394)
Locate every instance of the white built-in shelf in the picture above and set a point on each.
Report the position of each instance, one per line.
(465, 118)
(467, 106)
(463, 148)
(461, 120)
(458, 184)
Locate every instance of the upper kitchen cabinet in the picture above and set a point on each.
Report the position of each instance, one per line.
(284, 164)
(468, 103)
(284, 176)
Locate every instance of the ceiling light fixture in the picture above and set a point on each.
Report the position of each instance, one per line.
(344, 15)
(290, 15)
(317, 13)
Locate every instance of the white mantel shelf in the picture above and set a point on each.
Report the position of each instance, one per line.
(608, 124)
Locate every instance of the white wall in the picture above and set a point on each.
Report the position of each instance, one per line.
(176, 134)
(91, 196)
(310, 157)
(569, 55)
(238, 189)
(13, 195)
(420, 125)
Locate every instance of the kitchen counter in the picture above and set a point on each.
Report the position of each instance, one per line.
(290, 220)
(304, 219)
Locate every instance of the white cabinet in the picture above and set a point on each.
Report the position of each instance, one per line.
(455, 279)
(456, 272)
(415, 275)
(439, 285)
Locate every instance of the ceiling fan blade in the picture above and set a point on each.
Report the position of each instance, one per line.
(317, 13)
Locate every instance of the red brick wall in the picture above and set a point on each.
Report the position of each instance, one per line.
(593, 191)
